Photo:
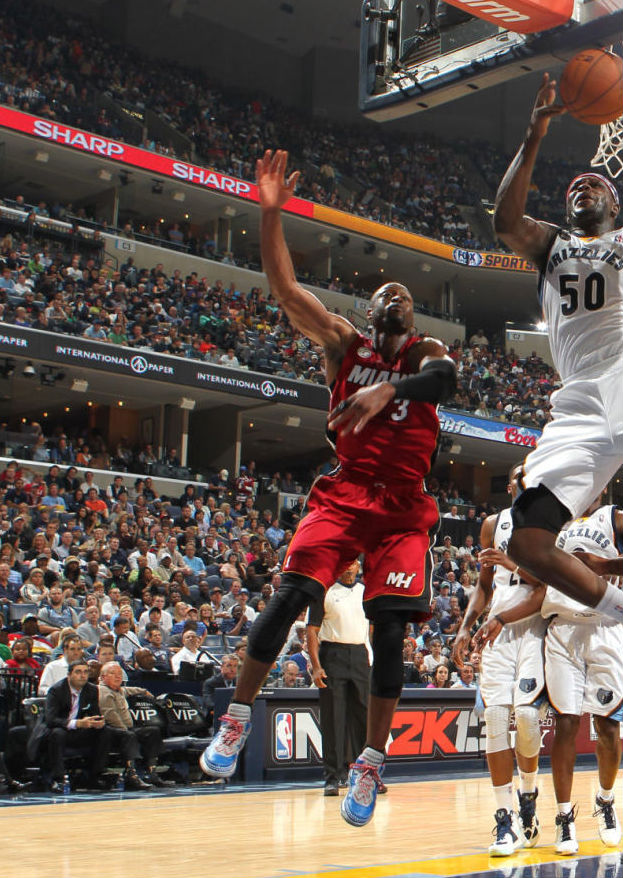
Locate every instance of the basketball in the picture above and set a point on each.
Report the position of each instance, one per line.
(591, 86)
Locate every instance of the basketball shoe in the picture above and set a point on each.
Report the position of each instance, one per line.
(364, 781)
(528, 820)
(566, 839)
(607, 822)
(220, 757)
(508, 834)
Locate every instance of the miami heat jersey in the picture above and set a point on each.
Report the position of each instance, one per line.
(397, 444)
(581, 292)
(509, 590)
(595, 534)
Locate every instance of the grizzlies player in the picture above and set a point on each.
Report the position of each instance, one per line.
(511, 678)
(583, 652)
(581, 290)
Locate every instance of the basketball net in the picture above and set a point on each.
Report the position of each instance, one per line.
(610, 150)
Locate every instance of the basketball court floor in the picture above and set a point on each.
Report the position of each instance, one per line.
(421, 829)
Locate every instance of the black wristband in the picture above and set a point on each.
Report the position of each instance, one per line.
(500, 619)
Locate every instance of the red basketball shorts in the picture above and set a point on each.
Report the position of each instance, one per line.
(393, 526)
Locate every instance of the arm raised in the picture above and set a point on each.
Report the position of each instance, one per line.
(304, 310)
(526, 236)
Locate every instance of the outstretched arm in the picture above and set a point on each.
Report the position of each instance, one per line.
(306, 312)
(524, 235)
(479, 598)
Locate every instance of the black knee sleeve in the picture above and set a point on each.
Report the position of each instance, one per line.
(387, 643)
(538, 507)
(270, 629)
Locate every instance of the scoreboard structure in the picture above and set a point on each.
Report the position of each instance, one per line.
(419, 54)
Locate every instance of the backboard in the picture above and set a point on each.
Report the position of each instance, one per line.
(418, 54)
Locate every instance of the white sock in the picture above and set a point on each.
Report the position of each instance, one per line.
(527, 781)
(606, 795)
(372, 756)
(611, 603)
(564, 807)
(504, 796)
(240, 712)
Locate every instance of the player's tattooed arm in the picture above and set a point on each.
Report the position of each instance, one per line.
(524, 235)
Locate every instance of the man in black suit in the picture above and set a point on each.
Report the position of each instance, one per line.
(225, 680)
(73, 720)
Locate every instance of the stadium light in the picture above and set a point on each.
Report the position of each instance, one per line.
(187, 404)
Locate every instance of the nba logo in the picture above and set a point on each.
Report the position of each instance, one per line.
(283, 735)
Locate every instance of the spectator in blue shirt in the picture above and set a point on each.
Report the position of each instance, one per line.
(275, 534)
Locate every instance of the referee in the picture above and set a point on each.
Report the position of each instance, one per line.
(339, 650)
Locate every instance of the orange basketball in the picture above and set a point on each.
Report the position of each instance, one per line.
(591, 86)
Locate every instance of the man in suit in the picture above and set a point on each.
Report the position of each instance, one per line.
(72, 719)
(132, 742)
(226, 679)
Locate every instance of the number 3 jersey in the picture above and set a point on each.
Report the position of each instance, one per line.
(397, 444)
(581, 293)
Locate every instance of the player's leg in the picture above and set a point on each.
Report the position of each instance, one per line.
(364, 778)
(565, 675)
(266, 638)
(603, 698)
(563, 763)
(608, 751)
(528, 694)
(574, 459)
(318, 553)
(498, 671)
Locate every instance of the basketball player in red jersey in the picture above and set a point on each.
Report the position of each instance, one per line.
(383, 411)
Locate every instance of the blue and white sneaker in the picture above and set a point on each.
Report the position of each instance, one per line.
(220, 757)
(364, 781)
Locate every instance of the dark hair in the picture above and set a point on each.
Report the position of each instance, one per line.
(76, 664)
(151, 626)
(71, 638)
(189, 625)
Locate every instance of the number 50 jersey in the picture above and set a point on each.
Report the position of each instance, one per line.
(397, 444)
(581, 293)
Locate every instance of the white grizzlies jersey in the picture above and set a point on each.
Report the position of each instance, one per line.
(595, 534)
(581, 292)
(509, 590)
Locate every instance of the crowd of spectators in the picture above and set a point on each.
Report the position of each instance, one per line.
(192, 317)
(56, 68)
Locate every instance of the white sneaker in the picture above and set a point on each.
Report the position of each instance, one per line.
(607, 822)
(508, 834)
(566, 840)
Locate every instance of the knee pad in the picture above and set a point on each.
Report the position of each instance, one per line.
(498, 737)
(270, 630)
(528, 740)
(538, 507)
(387, 643)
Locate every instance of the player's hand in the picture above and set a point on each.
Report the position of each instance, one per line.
(487, 634)
(460, 647)
(594, 562)
(353, 413)
(545, 107)
(319, 677)
(274, 189)
(494, 557)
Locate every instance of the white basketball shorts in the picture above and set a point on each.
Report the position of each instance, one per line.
(512, 667)
(582, 447)
(583, 667)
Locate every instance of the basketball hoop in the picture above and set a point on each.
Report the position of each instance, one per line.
(609, 153)
(610, 150)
